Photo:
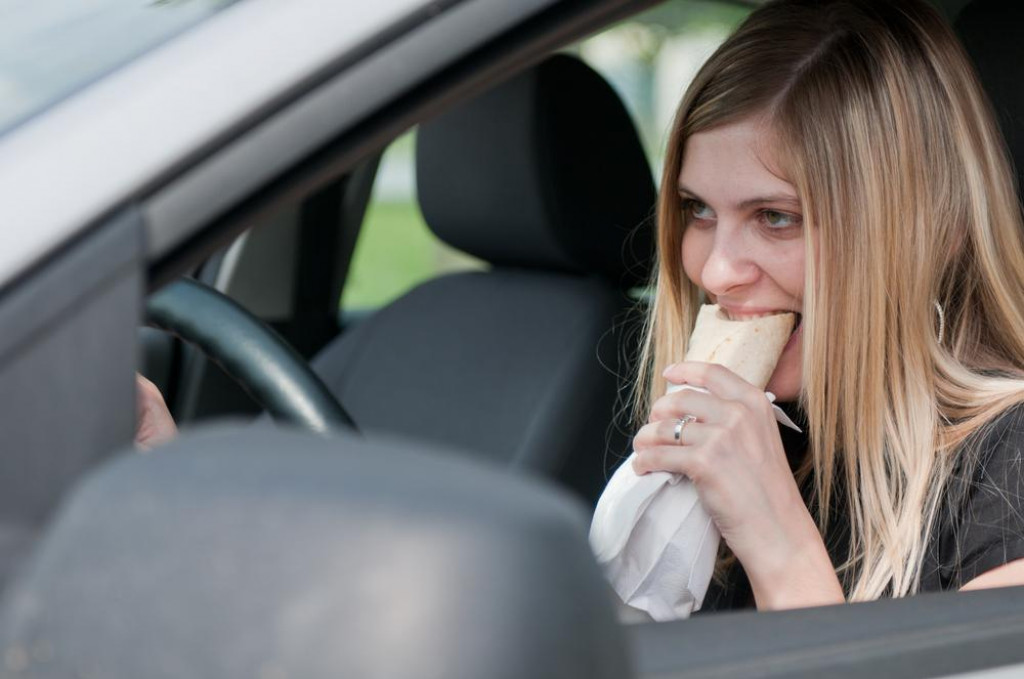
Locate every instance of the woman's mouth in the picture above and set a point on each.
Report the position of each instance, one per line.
(749, 316)
(798, 327)
(736, 315)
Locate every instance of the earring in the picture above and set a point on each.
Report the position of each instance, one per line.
(942, 320)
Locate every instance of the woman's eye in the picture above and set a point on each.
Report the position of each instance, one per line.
(779, 220)
(697, 210)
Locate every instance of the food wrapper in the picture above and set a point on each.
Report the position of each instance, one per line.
(654, 539)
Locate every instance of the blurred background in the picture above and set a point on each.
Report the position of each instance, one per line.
(649, 60)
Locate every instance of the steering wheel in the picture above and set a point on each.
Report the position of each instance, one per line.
(249, 352)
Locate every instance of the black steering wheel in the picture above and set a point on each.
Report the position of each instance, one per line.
(249, 352)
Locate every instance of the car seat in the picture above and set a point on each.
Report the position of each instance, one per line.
(544, 178)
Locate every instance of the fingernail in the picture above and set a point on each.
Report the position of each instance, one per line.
(668, 370)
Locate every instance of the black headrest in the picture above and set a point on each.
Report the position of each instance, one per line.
(544, 171)
(988, 29)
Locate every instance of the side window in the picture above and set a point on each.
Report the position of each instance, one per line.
(651, 59)
(396, 250)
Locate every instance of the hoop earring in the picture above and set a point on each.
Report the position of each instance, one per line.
(942, 320)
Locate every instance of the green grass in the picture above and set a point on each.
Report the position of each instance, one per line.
(395, 252)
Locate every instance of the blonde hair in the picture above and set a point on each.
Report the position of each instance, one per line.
(881, 125)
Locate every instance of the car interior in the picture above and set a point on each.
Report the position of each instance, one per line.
(566, 253)
(523, 364)
(461, 433)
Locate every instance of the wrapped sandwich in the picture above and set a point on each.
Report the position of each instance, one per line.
(654, 539)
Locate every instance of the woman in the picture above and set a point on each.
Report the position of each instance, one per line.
(839, 159)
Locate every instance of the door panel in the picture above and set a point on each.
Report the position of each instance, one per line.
(67, 364)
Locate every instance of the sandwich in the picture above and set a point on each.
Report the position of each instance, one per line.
(749, 347)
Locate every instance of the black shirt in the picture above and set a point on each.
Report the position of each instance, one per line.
(979, 527)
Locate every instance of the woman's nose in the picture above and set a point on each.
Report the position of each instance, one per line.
(729, 266)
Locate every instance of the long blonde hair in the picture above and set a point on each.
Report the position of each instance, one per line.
(881, 125)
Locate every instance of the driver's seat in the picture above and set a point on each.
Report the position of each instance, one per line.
(544, 178)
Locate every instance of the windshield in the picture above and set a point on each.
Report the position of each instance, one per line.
(48, 50)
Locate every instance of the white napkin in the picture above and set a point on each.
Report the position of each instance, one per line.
(654, 539)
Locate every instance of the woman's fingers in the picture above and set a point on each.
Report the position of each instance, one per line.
(709, 407)
(662, 433)
(154, 424)
(719, 380)
(672, 406)
(687, 460)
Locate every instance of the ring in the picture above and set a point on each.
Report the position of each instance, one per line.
(677, 434)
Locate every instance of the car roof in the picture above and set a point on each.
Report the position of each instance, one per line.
(133, 133)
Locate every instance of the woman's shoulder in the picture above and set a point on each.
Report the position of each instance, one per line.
(996, 444)
(993, 471)
(989, 464)
(981, 523)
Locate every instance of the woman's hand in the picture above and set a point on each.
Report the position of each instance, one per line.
(734, 456)
(154, 424)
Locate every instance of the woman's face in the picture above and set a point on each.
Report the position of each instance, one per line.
(744, 238)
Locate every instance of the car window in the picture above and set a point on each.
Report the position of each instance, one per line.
(396, 249)
(649, 60)
(48, 50)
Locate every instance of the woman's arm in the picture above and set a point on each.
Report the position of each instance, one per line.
(984, 547)
(1008, 575)
(807, 578)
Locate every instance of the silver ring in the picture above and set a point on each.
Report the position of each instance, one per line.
(677, 433)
